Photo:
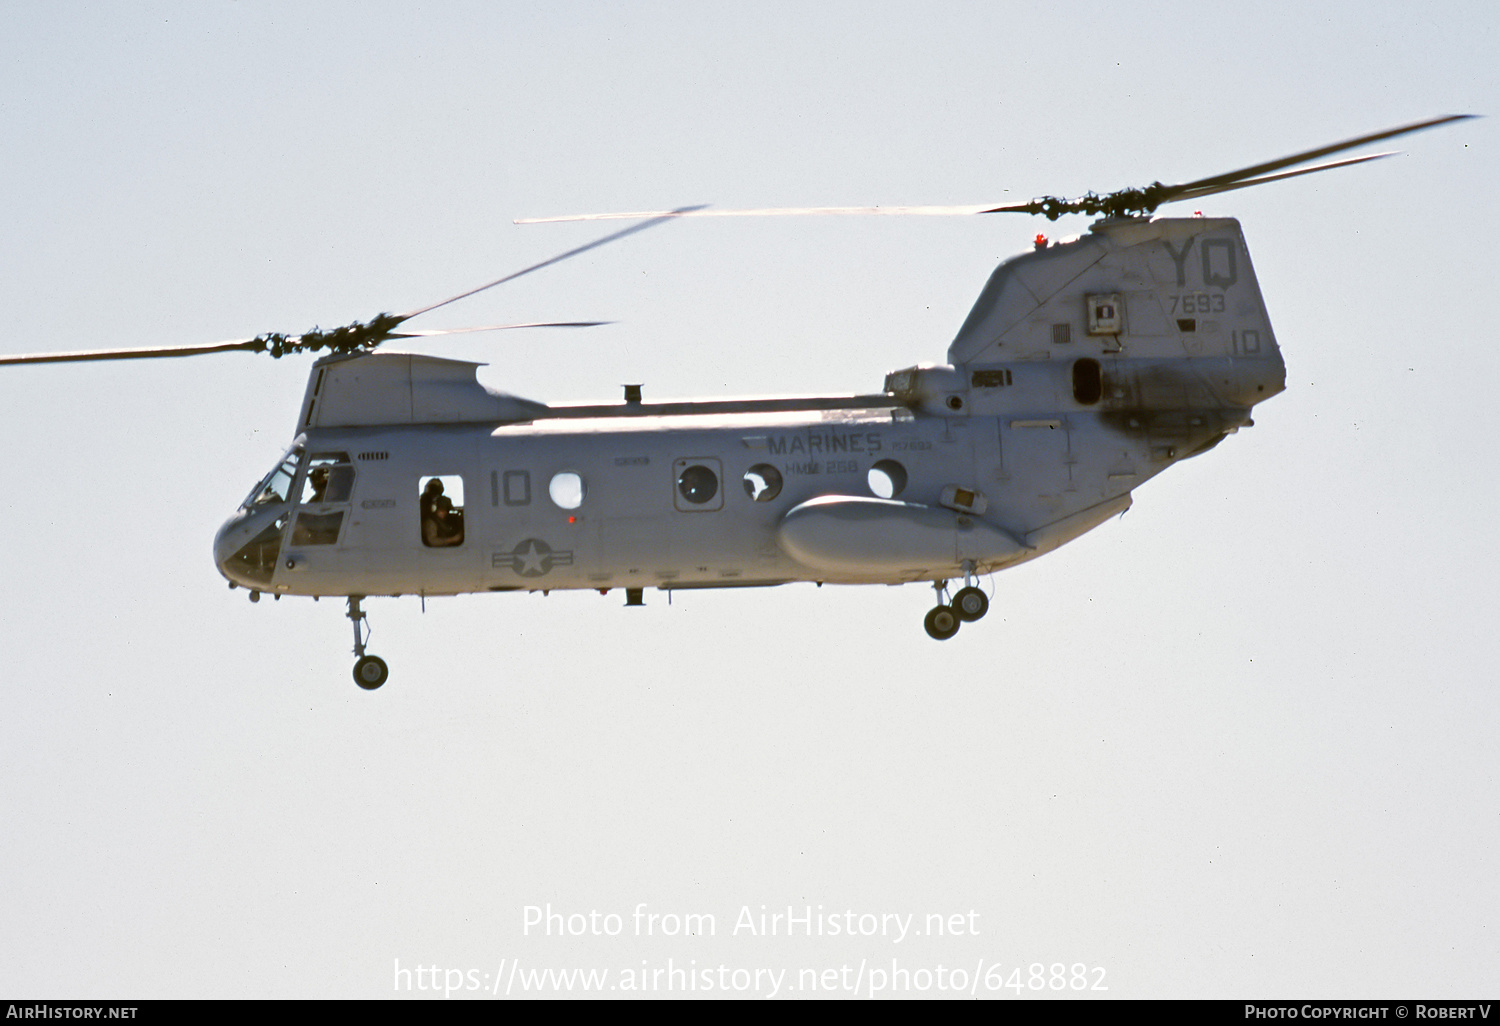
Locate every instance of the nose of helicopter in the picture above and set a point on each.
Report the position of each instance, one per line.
(247, 544)
(227, 541)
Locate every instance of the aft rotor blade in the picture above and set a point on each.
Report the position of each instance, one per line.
(929, 211)
(653, 219)
(249, 344)
(1123, 203)
(1256, 170)
(432, 332)
(1196, 193)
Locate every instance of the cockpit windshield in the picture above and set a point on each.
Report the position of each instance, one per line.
(277, 486)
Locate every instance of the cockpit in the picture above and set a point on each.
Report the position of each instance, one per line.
(249, 543)
(309, 491)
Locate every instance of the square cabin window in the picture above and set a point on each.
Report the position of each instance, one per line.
(440, 504)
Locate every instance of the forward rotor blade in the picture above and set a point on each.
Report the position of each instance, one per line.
(433, 332)
(353, 337)
(1256, 170)
(249, 344)
(256, 344)
(654, 219)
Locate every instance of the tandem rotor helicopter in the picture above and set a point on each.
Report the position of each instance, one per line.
(1085, 368)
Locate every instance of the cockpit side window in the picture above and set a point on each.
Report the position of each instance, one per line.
(329, 481)
(277, 486)
(317, 528)
(330, 478)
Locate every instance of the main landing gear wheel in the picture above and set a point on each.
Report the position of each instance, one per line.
(370, 672)
(971, 604)
(942, 623)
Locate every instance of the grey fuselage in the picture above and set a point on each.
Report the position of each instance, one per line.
(1084, 369)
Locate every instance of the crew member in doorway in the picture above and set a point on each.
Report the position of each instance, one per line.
(442, 525)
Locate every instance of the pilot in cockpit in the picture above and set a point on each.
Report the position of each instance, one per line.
(318, 480)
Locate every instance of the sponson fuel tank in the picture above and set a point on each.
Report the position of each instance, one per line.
(852, 537)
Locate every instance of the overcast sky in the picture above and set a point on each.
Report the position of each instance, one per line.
(1240, 742)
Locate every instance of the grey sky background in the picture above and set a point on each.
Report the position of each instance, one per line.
(1239, 742)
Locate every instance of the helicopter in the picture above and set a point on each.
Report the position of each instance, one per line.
(1086, 367)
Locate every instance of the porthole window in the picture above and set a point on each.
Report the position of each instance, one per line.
(887, 479)
(698, 484)
(762, 482)
(566, 490)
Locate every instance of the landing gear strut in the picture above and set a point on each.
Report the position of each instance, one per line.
(968, 604)
(369, 671)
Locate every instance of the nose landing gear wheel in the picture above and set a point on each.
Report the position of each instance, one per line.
(971, 604)
(370, 672)
(942, 623)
